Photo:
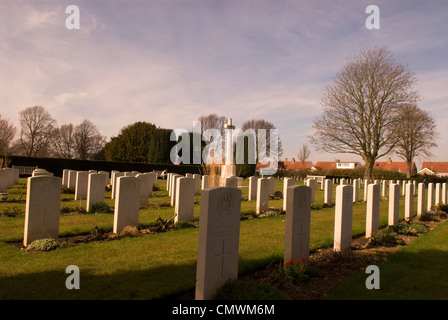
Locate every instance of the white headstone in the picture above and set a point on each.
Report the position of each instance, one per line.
(343, 218)
(184, 207)
(65, 177)
(43, 208)
(106, 177)
(421, 199)
(219, 229)
(384, 189)
(355, 190)
(252, 188)
(373, 209)
(262, 203)
(197, 184)
(297, 223)
(328, 192)
(145, 188)
(95, 189)
(287, 182)
(312, 183)
(409, 202)
(438, 194)
(394, 204)
(174, 180)
(3, 181)
(127, 203)
(205, 181)
(444, 195)
(271, 185)
(115, 176)
(81, 185)
(430, 206)
(72, 179)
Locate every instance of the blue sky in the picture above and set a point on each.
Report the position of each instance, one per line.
(169, 62)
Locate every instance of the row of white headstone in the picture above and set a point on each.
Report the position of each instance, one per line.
(220, 222)
(132, 191)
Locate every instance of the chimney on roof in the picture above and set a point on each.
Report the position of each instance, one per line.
(293, 160)
(286, 159)
(389, 160)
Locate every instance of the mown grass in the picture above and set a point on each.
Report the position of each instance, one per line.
(416, 272)
(149, 266)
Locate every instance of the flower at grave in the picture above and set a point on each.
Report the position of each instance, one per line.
(295, 270)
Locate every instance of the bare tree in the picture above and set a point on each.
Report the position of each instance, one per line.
(304, 154)
(361, 108)
(7, 133)
(416, 135)
(87, 140)
(256, 125)
(36, 128)
(212, 121)
(63, 141)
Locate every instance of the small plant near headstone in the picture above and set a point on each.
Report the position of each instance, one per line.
(295, 271)
(388, 237)
(129, 231)
(66, 190)
(44, 245)
(100, 207)
(316, 206)
(98, 231)
(184, 225)
(12, 212)
(410, 229)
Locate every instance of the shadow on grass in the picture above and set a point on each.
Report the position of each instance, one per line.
(406, 275)
(165, 282)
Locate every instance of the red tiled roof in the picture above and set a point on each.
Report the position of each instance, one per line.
(297, 165)
(393, 166)
(326, 165)
(437, 167)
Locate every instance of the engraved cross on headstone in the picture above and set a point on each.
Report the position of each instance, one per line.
(222, 255)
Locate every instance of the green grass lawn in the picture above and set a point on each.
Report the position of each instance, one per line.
(416, 272)
(143, 267)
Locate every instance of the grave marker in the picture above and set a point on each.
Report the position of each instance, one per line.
(287, 182)
(394, 204)
(262, 203)
(421, 199)
(297, 223)
(95, 190)
(184, 206)
(373, 209)
(43, 208)
(126, 203)
(252, 188)
(343, 218)
(219, 230)
(409, 202)
(81, 185)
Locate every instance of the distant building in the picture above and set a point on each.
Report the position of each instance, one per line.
(389, 165)
(297, 165)
(330, 165)
(439, 169)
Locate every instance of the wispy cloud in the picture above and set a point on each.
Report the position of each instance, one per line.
(169, 62)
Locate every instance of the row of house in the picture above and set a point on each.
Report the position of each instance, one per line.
(430, 168)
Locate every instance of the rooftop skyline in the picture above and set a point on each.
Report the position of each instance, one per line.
(170, 62)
